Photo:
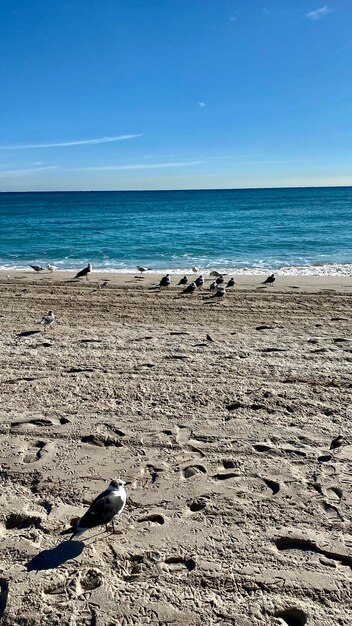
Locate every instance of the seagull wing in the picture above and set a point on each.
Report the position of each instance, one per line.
(82, 272)
(102, 511)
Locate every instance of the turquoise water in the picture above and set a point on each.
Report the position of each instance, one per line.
(295, 230)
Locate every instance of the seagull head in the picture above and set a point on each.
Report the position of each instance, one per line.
(116, 483)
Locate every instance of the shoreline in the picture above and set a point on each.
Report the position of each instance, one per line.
(288, 283)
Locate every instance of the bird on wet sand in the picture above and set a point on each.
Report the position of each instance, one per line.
(86, 270)
(107, 507)
(190, 288)
(37, 268)
(195, 269)
(143, 269)
(165, 281)
(47, 320)
(183, 281)
(220, 279)
(215, 273)
(270, 280)
(231, 282)
(50, 267)
(199, 281)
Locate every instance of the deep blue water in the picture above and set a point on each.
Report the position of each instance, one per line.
(240, 229)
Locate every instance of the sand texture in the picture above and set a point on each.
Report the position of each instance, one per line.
(238, 512)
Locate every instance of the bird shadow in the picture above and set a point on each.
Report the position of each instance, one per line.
(28, 333)
(49, 559)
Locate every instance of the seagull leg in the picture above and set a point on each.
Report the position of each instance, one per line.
(113, 526)
(106, 528)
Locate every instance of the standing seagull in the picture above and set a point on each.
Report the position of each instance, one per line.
(213, 286)
(47, 319)
(199, 281)
(220, 292)
(143, 269)
(51, 268)
(106, 508)
(194, 269)
(269, 280)
(165, 281)
(219, 280)
(231, 282)
(85, 271)
(183, 281)
(190, 288)
(37, 268)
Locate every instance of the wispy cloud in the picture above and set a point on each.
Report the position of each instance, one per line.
(266, 11)
(137, 166)
(318, 14)
(202, 104)
(27, 170)
(64, 144)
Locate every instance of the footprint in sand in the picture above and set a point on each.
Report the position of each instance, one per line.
(36, 451)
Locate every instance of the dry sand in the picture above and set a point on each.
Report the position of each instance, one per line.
(238, 512)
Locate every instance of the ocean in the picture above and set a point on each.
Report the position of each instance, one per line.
(292, 231)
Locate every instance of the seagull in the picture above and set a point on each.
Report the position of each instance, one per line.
(85, 271)
(106, 508)
(37, 268)
(269, 280)
(47, 319)
(220, 279)
(199, 281)
(231, 282)
(213, 286)
(183, 281)
(215, 273)
(50, 267)
(337, 442)
(143, 269)
(190, 288)
(195, 269)
(165, 281)
(220, 292)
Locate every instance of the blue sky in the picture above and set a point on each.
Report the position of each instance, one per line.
(175, 94)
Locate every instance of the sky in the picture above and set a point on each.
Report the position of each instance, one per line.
(175, 94)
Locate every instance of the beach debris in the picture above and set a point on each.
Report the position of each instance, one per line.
(190, 288)
(231, 282)
(47, 320)
(37, 268)
(84, 272)
(183, 281)
(337, 442)
(199, 282)
(209, 338)
(220, 279)
(165, 281)
(270, 280)
(106, 508)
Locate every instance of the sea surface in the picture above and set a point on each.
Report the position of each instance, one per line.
(294, 231)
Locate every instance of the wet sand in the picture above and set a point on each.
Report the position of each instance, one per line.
(238, 512)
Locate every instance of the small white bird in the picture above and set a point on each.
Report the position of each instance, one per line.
(195, 269)
(107, 507)
(47, 320)
(143, 269)
(51, 268)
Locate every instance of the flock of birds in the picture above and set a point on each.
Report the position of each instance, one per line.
(217, 287)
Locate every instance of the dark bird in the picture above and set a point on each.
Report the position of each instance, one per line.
(231, 282)
(336, 443)
(270, 280)
(183, 281)
(215, 273)
(106, 508)
(190, 288)
(219, 280)
(37, 268)
(47, 319)
(165, 281)
(87, 270)
(199, 282)
(220, 292)
(213, 286)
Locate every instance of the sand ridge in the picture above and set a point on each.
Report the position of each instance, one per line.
(238, 512)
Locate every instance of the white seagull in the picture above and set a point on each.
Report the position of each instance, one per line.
(143, 269)
(47, 319)
(107, 507)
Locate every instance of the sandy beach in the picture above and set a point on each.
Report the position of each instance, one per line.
(220, 412)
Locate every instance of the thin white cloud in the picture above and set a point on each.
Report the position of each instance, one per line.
(202, 104)
(27, 170)
(266, 11)
(233, 18)
(318, 14)
(136, 166)
(64, 144)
